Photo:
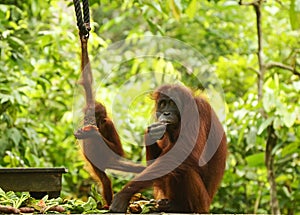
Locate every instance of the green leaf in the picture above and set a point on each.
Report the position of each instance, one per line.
(283, 178)
(251, 136)
(154, 27)
(146, 210)
(277, 123)
(17, 42)
(290, 149)
(295, 14)
(192, 9)
(296, 85)
(175, 9)
(6, 98)
(242, 133)
(256, 160)
(21, 200)
(264, 125)
(289, 119)
(269, 100)
(15, 135)
(96, 195)
(90, 204)
(7, 159)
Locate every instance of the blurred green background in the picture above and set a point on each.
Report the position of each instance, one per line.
(40, 69)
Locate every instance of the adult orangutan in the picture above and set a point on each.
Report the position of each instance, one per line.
(186, 153)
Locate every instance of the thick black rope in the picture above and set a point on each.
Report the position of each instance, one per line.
(86, 12)
(83, 24)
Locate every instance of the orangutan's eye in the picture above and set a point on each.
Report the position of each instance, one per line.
(162, 104)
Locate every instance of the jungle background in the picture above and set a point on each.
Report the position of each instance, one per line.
(253, 46)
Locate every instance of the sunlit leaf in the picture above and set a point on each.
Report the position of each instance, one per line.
(289, 118)
(242, 133)
(277, 123)
(192, 9)
(290, 148)
(17, 41)
(264, 125)
(256, 160)
(269, 100)
(175, 9)
(295, 14)
(296, 84)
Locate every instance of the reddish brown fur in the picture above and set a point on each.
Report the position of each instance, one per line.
(107, 129)
(101, 143)
(95, 114)
(103, 150)
(189, 187)
(108, 132)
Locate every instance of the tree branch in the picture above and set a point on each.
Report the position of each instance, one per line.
(269, 161)
(283, 66)
(252, 69)
(261, 73)
(249, 3)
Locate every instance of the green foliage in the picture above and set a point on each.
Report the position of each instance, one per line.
(47, 206)
(39, 69)
(36, 82)
(295, 14)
